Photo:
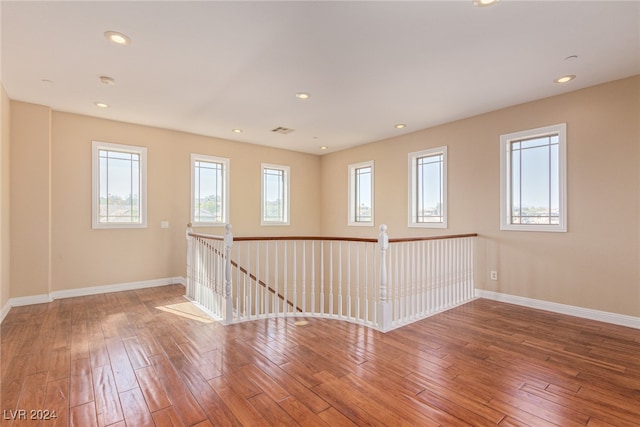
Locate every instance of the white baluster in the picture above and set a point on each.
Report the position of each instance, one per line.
(384, 312)
(322, 277)
(285, 274)
(295, 277)
(190, 291)
(331, 277)
(253, 298)
(267, 304)
(228, 244)
(358, 283)
(304, 276)
(340, 279)
(313, 276)
(349, 280)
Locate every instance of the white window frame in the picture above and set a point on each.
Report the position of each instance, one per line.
(286, 193)
(413, 187)
(225, 189)
(506, 184)
(353, 192)
(96, 147)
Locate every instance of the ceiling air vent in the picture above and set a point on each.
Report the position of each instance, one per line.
(282, 130)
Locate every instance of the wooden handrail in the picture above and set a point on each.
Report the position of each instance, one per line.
(417, 239)
(334, 238)
(206, 236)
(323, 238)
(354, 239)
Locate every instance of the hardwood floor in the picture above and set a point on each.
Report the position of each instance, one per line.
(138, 358)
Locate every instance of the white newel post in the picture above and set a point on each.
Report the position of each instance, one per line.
(228, 243)
(384, 309)
(190, 290)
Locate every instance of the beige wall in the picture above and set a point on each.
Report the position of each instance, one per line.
(594, 265)
(5, 229)
(85, 257)
(30, 199)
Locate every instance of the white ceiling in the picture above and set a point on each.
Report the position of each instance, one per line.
(208, 67)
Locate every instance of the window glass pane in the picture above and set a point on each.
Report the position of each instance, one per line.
(554, 177)
(360, 207)
(362, 200)
(535, 142)
(535, 175)
(515, 183)
(534, 185)
(274, 195)
(429, 189)
(119, 187)
(208, 191)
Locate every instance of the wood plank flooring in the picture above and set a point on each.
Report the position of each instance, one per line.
(140, 358)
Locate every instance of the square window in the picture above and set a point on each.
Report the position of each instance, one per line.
(275, 195)
(209, 190)
(428, 188)
(533, 180)
(361, 194)
(119, 186)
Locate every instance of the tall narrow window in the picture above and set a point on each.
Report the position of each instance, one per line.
(428, 188)
(275, 195)
(361, 194)
(533, 179)
(209, 190)
(119, 185)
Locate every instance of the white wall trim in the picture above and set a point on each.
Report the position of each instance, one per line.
(4, 311)
(91, 290)
(30, 300)
(585, 313)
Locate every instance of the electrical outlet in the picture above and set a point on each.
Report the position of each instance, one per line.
(494, 275)
(164, 224)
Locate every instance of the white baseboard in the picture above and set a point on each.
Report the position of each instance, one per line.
(31, 299)
(585, 313)
(4, 311)
(92, 290)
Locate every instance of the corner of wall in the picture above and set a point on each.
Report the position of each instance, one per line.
(30, 139)
(4, 202)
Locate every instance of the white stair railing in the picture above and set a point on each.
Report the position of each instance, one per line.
(428, 276)
(209, 273)
(383, 283)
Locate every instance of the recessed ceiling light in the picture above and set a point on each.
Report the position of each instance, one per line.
(571, 58)
(324, 147)
(400, 126)
(117, 38)
(236, 130)
(303, 95)
(101, 104)
(483, 3)
(565, 79)
(107, 80)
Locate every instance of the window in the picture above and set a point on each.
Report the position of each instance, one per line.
(275, 195)
(428, 188)
(361, 194)
(119, 186)
(533, 180)
(209, 190)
